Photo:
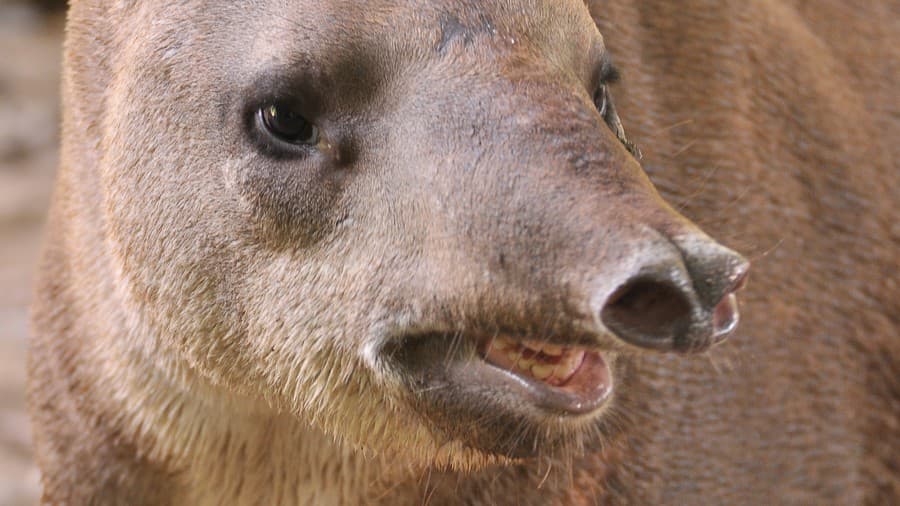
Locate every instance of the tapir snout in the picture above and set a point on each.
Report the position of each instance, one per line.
(528, 167)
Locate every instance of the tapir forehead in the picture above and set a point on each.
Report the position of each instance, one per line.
(548, 24)
(296, 32)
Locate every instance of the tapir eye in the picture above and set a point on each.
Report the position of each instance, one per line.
(601, 100)
(286, 124)
(604, 103)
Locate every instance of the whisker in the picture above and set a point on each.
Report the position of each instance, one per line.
(733, 202)
(456, 340)
(429, 491)
(675, 125)
(546, 475)
(714, 363)
(698, 191)
(431, 389)
(767, 252)
(684, 148)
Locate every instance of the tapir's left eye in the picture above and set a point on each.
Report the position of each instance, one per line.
(286, 124)
(604, 103)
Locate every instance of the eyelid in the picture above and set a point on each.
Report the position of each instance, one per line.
(604, 97)
(616, 124)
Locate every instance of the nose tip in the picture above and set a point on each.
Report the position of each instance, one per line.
(677, 305)
(716, 273)
(725, 312)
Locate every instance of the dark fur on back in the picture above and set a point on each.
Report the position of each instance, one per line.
(774, 126)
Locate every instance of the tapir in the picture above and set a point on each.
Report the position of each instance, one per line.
(472, 252)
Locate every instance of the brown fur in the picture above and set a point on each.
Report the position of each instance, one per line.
(205, 323)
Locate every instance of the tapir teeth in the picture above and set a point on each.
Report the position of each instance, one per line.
(542, 372)
(550, 363)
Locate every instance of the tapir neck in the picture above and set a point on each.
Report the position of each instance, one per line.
(229, 453)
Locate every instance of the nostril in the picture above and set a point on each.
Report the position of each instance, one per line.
(648, 313)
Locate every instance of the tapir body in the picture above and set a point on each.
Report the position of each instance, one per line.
(404, 253)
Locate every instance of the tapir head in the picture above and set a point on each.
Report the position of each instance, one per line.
(418, 226)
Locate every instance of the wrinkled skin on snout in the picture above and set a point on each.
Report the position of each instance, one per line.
(466, 179)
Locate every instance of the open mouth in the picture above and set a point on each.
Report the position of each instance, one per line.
(564, 379)
(510, 394)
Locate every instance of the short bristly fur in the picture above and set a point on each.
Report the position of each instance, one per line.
(210, 320)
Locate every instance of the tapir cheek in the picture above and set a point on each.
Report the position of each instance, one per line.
(285, 204)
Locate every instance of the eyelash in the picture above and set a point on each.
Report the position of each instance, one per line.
(601, 102)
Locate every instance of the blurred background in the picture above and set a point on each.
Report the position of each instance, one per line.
(30, 51)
